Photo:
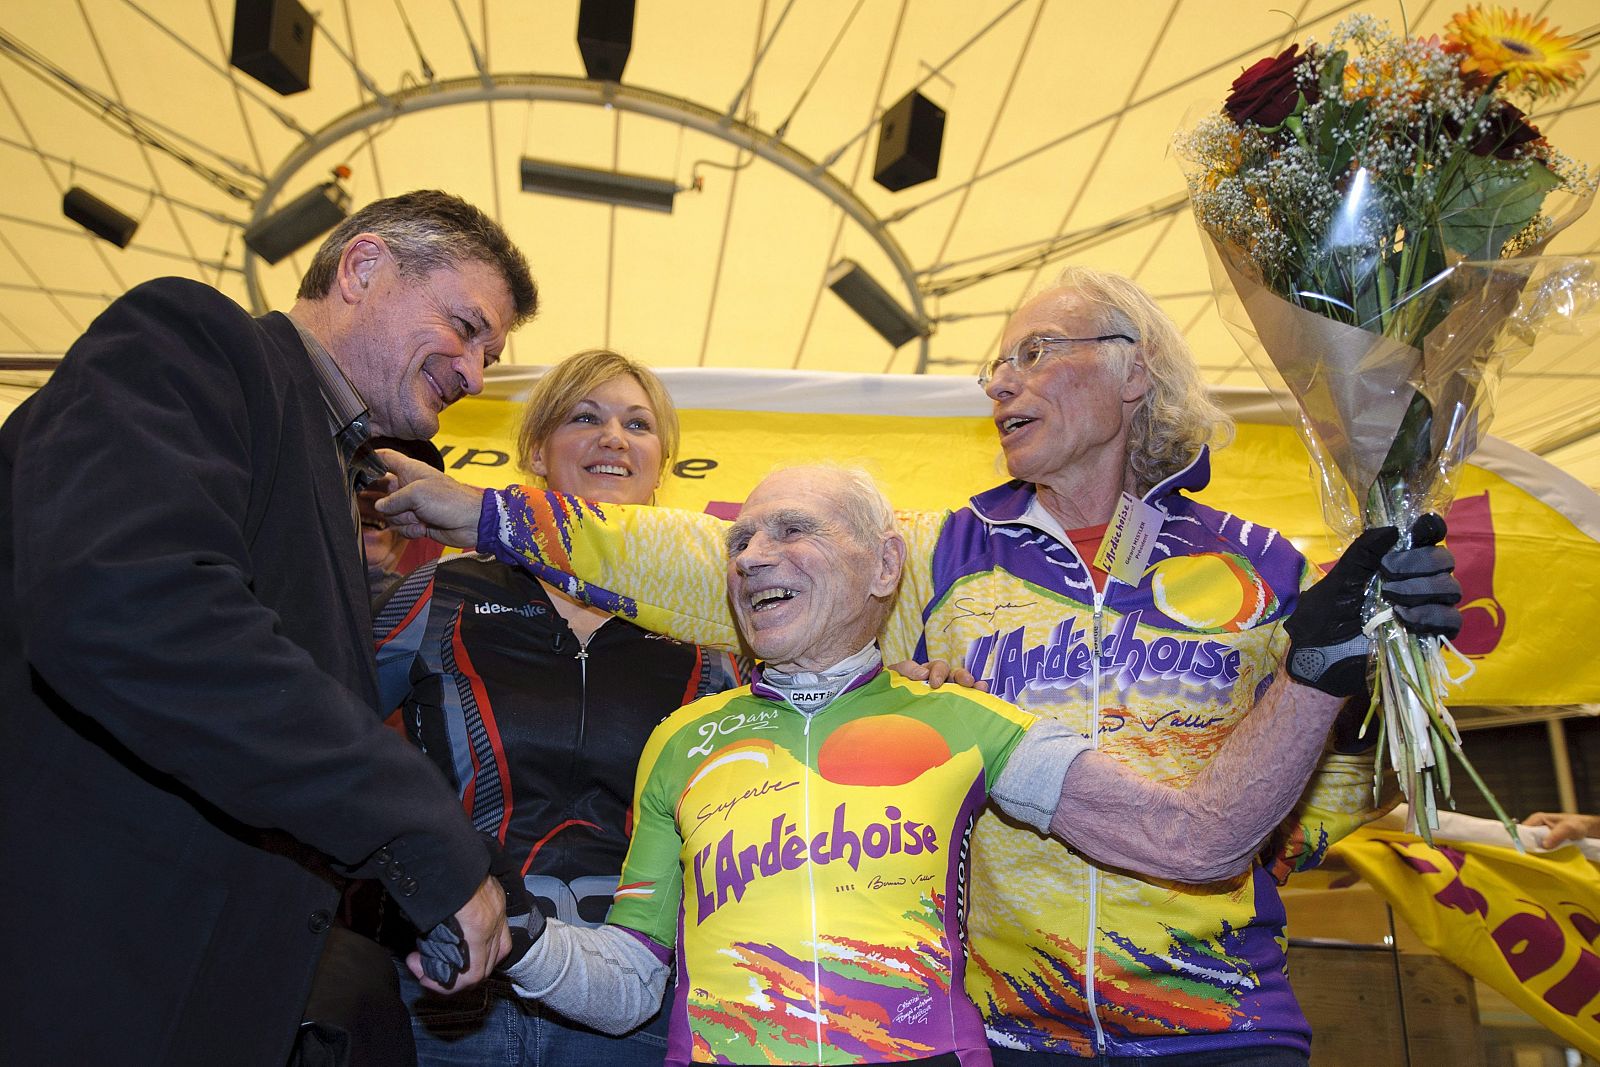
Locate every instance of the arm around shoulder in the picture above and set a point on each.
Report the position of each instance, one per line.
(659, 567)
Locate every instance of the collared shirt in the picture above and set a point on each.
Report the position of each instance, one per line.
(348, 417)
(348, 424)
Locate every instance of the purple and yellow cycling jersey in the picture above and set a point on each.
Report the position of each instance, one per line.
(811, 870)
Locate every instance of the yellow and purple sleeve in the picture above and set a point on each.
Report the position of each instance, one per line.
(902, 633)
(663, 568)
(659, 567)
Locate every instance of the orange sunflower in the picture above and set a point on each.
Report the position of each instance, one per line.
(1528, 53)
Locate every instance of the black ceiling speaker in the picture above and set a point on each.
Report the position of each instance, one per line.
(300, 221)
(605, 36)
(98, 217)
(910, 136)
(872, 302)
(272, 43)
(604, 186)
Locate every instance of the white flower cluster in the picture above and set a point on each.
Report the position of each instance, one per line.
(1223, 164)
(1575, 177)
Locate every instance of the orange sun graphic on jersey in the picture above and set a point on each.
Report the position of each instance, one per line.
(881, 750)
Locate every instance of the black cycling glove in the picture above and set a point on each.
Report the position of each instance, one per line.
(1327, 649)
(444, 952)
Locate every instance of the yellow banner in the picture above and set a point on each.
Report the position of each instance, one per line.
(1532, 577)
(1525, 925)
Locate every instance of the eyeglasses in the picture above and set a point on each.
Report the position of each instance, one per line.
(1026, 353)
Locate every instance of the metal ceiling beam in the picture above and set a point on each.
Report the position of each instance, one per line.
(29, 362)
(458, 91)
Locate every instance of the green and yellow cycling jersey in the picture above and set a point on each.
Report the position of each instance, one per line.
(811, 870)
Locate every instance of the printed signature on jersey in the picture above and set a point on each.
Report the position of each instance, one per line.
(969, 608)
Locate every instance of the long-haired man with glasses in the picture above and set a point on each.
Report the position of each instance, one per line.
(1106, 423)
(1155, 649)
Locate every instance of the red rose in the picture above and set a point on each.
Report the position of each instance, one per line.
(1266, 94)
(1503, 132)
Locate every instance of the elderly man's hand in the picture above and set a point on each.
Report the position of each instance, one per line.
(462, 950)
(936, 673)
(429, 503)
(1327, 649)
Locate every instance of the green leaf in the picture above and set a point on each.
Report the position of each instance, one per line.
(1409, 452)
(1335, 155)
(1494, 200)
(1331, 78)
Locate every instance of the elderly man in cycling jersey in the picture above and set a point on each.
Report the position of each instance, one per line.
(802, 842)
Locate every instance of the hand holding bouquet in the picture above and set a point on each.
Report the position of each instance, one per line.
(1376, 207)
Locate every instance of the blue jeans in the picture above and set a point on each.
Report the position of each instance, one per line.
(490, 1026)
(1243, 1057)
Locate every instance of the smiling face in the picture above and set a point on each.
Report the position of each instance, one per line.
(414, 346)
(806, 589)
(606, 448)
(1065, 422)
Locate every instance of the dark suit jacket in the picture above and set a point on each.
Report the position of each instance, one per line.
(188, 741)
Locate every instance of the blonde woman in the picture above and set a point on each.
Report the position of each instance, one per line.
(536, 706)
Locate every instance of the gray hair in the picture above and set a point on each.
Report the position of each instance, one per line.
(1177, 416)
(427, 230)
(865, 510)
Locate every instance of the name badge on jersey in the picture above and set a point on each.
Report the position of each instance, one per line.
(1125, 550)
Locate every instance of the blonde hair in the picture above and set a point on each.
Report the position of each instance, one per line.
(558, 392)
(1177, 416)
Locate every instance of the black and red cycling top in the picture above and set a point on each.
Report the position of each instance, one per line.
(540, 733)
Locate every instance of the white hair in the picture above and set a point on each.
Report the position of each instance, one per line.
(866, 511)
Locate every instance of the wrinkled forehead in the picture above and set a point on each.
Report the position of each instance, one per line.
(802, 497)
(797, 487)
(1057, 312)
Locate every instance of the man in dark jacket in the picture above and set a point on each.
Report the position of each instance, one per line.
(190, 758)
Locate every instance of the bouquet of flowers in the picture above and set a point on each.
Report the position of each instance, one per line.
(1375, 207)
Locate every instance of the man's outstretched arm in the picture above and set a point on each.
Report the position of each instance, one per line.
(1212, 829)
(661, 568)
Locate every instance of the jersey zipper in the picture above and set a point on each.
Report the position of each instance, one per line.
(811, 884)
(1094, 872)
(1097, 639)
(582, 656)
